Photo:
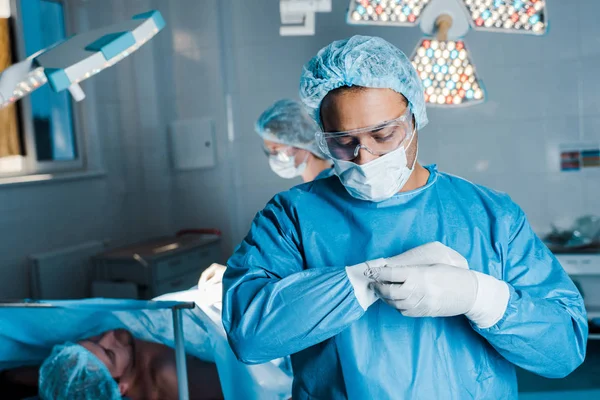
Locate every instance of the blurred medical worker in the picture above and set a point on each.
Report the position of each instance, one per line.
(288, 133)
(289, 141)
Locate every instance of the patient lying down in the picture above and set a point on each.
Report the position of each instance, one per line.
(114, 365)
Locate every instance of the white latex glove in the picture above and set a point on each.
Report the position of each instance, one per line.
(213, 274)
(442, 290)
(210, 286)
(210, 294)
(430, 253)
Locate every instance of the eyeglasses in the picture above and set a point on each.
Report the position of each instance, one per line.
(378, 140)
(282, 154)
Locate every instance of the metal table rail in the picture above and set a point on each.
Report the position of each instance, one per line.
(176, 307)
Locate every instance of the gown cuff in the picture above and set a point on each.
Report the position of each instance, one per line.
(491, 301)
(360, 282)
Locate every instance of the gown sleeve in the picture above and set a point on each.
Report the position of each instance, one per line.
(544, 328)
(272, 305)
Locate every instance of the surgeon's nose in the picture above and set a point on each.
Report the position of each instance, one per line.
(364, 156)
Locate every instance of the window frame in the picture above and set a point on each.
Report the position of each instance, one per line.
(31, 165)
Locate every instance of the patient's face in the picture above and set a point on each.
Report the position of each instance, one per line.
(116, 350)
(148, 371)
(142, 369)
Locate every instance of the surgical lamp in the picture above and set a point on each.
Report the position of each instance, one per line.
(386, 12)
(514, 16)
(444, 65)
(442, 59)
(67, 63)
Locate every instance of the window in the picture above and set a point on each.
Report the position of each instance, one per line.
(48, 120)
(52, 112)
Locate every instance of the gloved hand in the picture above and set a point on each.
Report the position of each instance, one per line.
(213, 274)
(441, 290)
(357, 274)
(429, 253)
(210, 294)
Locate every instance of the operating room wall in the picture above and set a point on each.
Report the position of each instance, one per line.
(177, 76)
(192, 82)
(127, 200)
(542, 91)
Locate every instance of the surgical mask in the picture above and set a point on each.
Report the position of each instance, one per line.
(287, 168)
(377, 180)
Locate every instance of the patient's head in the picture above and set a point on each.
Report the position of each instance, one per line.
(116, 364)
(116, 350)
(72, 372)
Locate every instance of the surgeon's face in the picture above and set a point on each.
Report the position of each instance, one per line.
(299, 155)
(347, 109)
(116, 350)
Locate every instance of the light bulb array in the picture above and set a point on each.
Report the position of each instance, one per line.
(524, 16)
(390, 12)
(34, 80)
(447, 74)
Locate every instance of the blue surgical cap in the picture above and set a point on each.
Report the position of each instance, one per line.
(71, 372)
(361, 61)
(287, 122)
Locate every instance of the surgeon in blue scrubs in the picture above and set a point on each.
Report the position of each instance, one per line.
(317, 276)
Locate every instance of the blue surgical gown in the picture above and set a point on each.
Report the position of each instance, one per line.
(286, 292)
(326, 173)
